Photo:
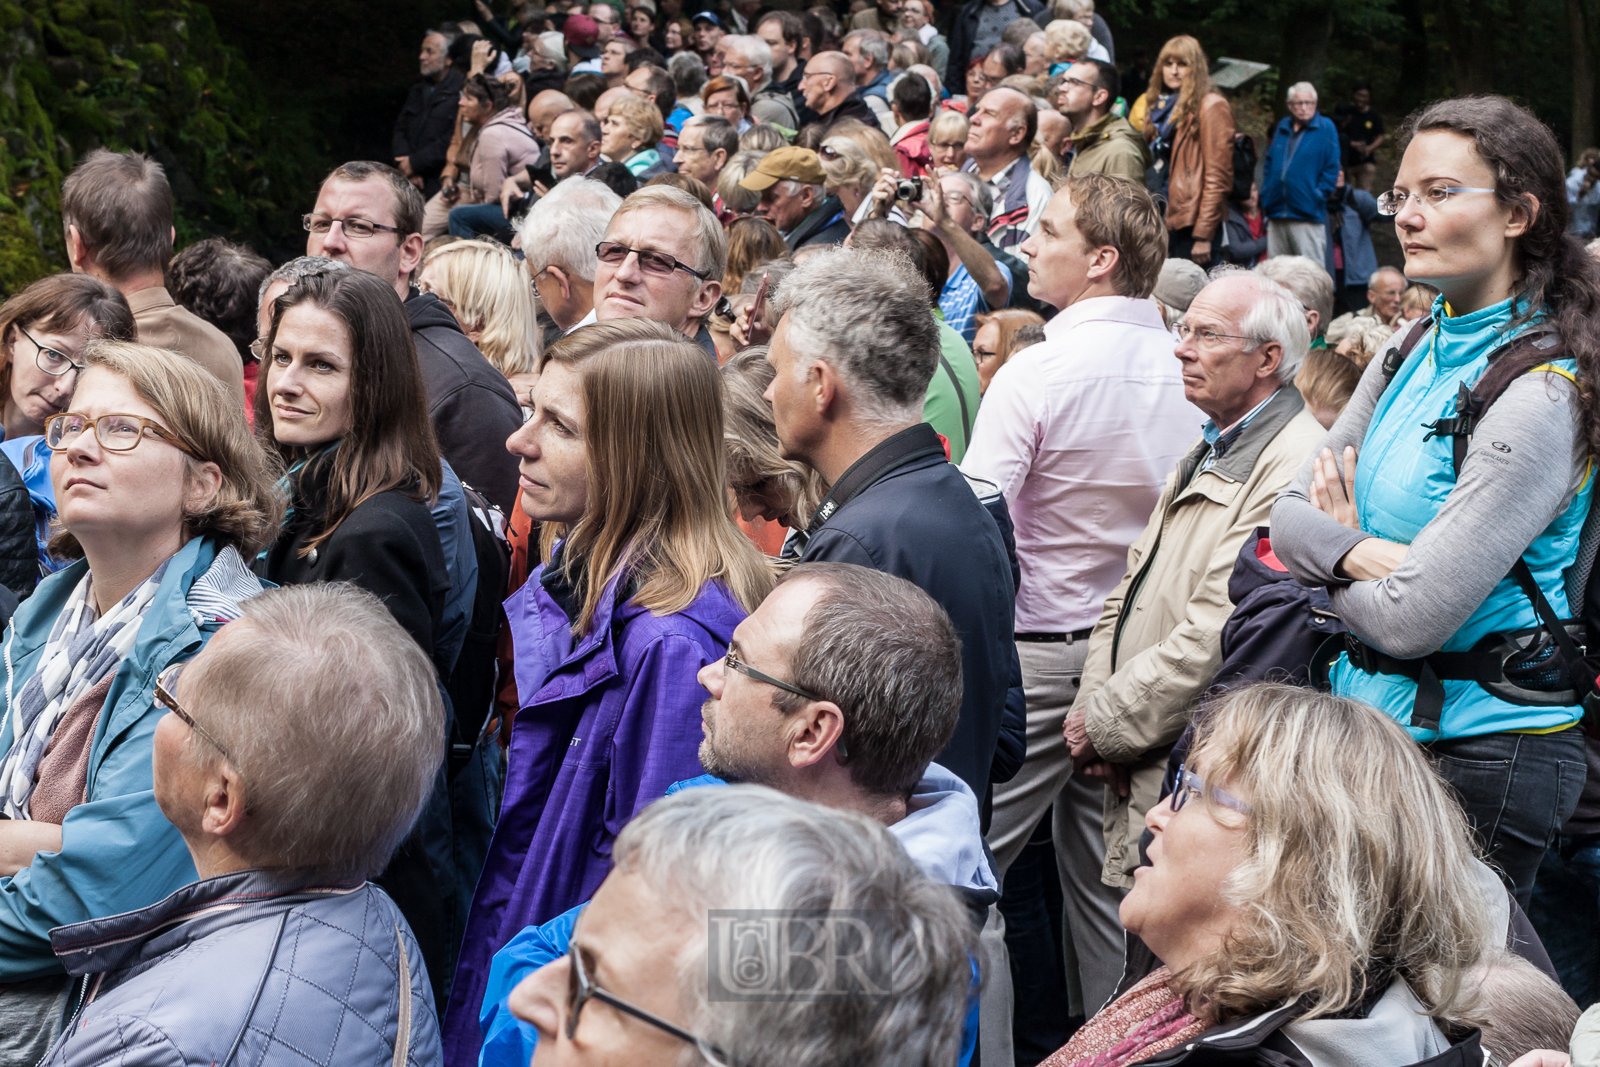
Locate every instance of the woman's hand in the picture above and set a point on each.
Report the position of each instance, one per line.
(743, 331)
(1334, 495)
(1372, 560)
(883, 193)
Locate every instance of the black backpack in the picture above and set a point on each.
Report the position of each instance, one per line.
(1244, 167)
(1546, 666)
(474, 680)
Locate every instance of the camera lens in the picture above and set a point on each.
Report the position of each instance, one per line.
(906, 189)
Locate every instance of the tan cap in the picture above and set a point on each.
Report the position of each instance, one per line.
(793, 164)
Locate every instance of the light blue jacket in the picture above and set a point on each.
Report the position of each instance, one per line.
(1402, 481)
(118, 851)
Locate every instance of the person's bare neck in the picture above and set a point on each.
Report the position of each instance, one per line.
(831, 785)
(989, 166)
(16, 423)
(1094, 115)
(212, 856)
(1263, 388)
(120, 564)
(785, 72)
(849, 440)
(154, 278)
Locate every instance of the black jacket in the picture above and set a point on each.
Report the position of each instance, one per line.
(965, 29)
(1257, 1043)
(425, 126)
(921, 521)
(853, 108)
(388, 546)
(19, 544)
(472, 405)
(828, 225)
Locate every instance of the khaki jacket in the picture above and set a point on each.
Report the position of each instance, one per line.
(164, 324)
(1200, 174)
(1110, 146)
(1158, 643)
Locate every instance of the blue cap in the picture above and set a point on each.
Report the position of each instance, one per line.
(709, 17)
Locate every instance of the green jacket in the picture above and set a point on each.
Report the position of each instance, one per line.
(1110, 146)
(949, 412)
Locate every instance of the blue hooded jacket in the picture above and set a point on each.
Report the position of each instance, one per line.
(1301, 170)
(118, 851)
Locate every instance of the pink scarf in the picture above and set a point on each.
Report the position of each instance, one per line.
(1147, 1019)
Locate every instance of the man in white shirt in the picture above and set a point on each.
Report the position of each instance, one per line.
(1080, 433)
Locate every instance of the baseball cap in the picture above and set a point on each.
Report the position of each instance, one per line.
(792, 164)
(1180, 282)
(581, 33)
(709, 17)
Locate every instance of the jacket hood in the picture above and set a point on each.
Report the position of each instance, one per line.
(425, 309)
(1109, 128)
(1396, 1030)
(941, 832)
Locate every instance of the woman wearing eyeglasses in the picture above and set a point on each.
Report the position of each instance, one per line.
(43, 331)
(162, 495)
(1286, 904)
(624, 454)
(727, 97)
(1445, 535)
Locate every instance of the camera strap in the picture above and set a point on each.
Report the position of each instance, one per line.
(913, 443)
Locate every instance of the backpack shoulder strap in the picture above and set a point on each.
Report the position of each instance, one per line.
(1396, 356)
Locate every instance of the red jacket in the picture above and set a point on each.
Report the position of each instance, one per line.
(911, 145)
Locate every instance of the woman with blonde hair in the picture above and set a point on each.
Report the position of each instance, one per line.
(947, 140)
(163, 495)
(1312, 895)
(630, 133)
(765, 485)
(1066, 41)
(737, 201)
(873, 141)
(625, 453)
(1190, 129)
(486, 289)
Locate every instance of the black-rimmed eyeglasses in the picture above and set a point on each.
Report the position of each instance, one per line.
(650, 262)
(581, 989)
(352, 226)
(50, 360)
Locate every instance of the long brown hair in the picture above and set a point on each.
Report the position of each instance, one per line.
(657, 504)
(390, 443)
(1196, 84)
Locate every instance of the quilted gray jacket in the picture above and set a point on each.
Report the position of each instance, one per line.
(243, 970)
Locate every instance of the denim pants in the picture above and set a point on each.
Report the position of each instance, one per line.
(1517, 791)
(1566, 913)
(477, 220)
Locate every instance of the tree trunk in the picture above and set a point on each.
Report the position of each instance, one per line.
(1307, 29)
(1582, 78)
(1472, 35)
(1413, 87)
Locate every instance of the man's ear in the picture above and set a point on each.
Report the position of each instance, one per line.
(825, 386)
(1104, 263)
(411, 254)
(562, 279)
(78, 254)
(225, 808)
(1271, 360)
(815, 733)
(706, 299)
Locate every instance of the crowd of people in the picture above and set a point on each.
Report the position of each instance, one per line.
(776, 537)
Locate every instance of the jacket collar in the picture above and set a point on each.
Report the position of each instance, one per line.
(1123, 309)
(818, 220)
(199, 908)
(1240, 460)
(150, 299)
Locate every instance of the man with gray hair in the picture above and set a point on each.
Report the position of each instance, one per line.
(559, 235)
(1308, 283)
(1299, 175)
(853, 353)
(748, 57)
(704, 148)
(301, 745)
(660, 943)
(794, 197)
(1158, 643)
(869, 54)
(425, 125)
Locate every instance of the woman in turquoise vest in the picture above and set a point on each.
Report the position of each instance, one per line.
(1416, 542)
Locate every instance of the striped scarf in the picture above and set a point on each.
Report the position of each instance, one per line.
(82, 650)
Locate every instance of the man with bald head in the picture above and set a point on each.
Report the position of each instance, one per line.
(1001, 125)
(829, 86)
(543, 110)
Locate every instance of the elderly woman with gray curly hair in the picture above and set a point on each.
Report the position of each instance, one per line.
(1312, 898)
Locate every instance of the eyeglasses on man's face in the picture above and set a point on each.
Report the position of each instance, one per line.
(166, 688)
(734, 663)
(581, 989)
(50, 360)
(352, 226)
(651, 262)
(116, 432)
(1435, 197)
(1207, 336)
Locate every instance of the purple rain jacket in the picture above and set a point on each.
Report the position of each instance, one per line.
(605, 727)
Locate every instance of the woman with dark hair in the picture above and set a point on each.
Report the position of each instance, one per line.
(727, 98)
(624, 456)
(500, 144)
(1445, 547)
(43, 331)
(1190, 129)
(342, 402)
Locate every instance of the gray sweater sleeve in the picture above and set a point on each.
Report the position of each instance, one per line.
(1527, 459)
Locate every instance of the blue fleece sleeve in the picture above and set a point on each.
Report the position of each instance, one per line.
(1328, 177)
(507, 1040)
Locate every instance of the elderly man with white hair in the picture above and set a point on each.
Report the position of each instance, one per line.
(1158, 643)
(1308, 283)
(748, 57)
(559, 235)
(1300, 173)
(299, 749)
(709, 932)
